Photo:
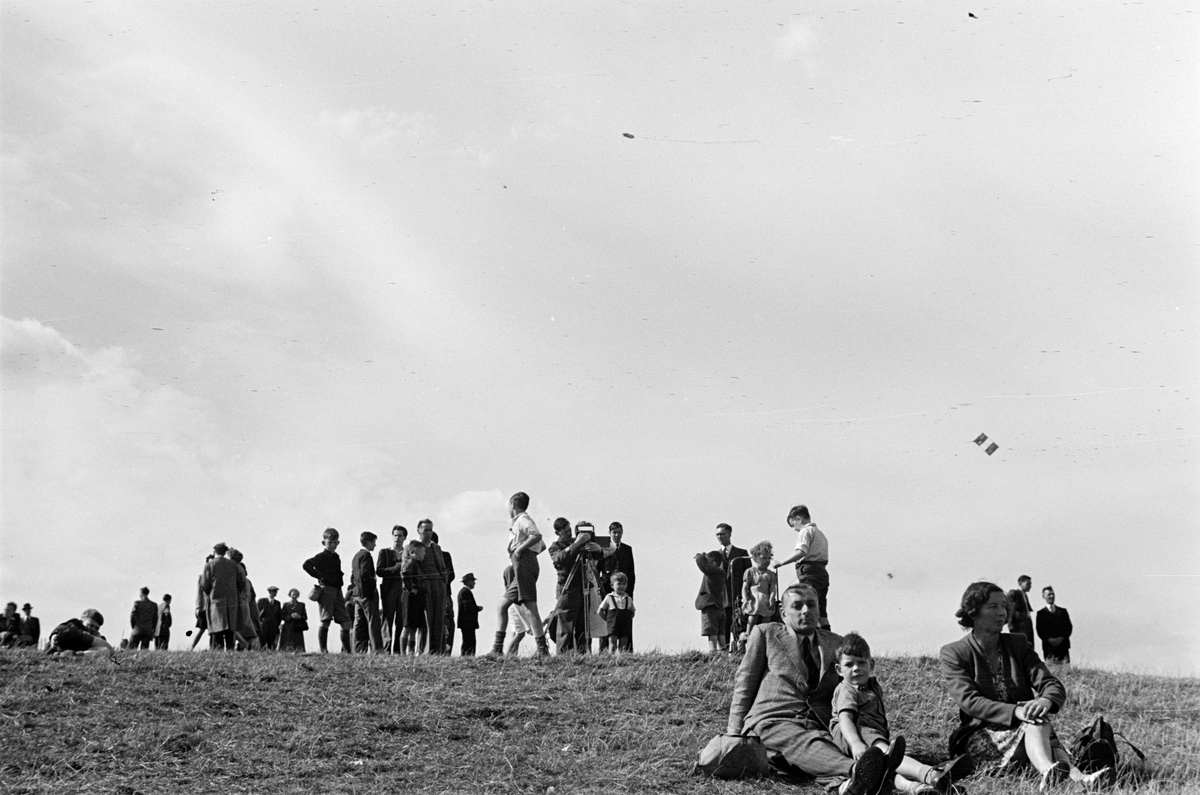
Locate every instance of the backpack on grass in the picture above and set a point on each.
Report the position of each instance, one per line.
(733, 756)
(1095, 748)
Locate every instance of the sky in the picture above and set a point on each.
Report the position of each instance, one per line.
(267, 269)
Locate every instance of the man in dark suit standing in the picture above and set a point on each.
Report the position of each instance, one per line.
(162, 632)
(143, 618)
(468, 615)
(1054, 628)
(737, 560)
(270, 614)
(31, 628)
(1021, 621)
(617, 557)
(783, 692)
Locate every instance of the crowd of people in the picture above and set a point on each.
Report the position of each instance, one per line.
(807, 693)
(17, 629)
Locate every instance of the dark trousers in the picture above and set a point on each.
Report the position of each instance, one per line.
(468, 642)
(140, 638)
(164, 638)
(394, 599)
(434, 594)
(571, 634)
(269, 638)
(816, 576)
(367, 635)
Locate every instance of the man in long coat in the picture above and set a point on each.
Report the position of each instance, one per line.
(223, 584)
(270, 613)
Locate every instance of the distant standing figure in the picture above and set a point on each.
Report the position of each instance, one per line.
(143, 618)
(365, 589)
(617, 610)
(433, 588)
(735, 560)
(326, 567)
(162, 631)
(760, 586)
(449, 622)
(811, 557)
(617, 557)
(414, 613)
(1022, 616)
(468, 615)
(389, 565)
(713, 599)
(567, 555)
(270, 613)
(31, 628)
(524, 544)
(223, 583)
(249, 628)
(1054, 628)
(295, 623)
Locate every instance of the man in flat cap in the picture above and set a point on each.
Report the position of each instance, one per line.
(468, 615)
(270, 614)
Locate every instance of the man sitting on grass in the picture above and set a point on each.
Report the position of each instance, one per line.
(80, 635)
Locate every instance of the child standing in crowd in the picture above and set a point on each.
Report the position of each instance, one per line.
(414, 616)
(326, 567)
(759, 589)
(860, 719)
(617, 611)
(712, 599)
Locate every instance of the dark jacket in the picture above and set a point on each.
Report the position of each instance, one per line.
(468, 611)
(969, 680)
(144, 616)
(1054, 625)
(326, 567)
(622, 561)
(362, 576)
(714, 591)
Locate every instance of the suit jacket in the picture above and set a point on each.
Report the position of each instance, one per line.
(31, 628)
(1054, 625)
(468, 611)
(714, 591)
(270, 613)
(362, 576)
(772, 681)
(622, 561)
(735, 571)
(970, 683)
(144, 616)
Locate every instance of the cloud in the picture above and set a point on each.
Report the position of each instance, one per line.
(377, 132)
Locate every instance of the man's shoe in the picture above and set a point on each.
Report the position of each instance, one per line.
(946, 773)
(867, 773)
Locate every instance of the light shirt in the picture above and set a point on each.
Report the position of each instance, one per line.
(811, 544)
(522, 529)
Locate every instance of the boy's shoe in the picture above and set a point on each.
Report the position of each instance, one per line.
(894, 756)
(867, 773)
(945, 774)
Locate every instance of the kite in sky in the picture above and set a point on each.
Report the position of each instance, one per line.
(991, 448)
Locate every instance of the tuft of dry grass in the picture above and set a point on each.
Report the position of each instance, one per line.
(261, 723)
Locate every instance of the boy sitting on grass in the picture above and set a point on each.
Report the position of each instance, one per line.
(860, 720)
(81, 635)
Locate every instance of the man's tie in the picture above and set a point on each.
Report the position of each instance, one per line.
(814, 669)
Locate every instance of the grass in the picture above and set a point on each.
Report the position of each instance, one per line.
(256, 723)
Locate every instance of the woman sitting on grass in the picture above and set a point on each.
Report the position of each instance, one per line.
(1005, 693)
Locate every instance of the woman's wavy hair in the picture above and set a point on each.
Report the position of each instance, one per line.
(973, 598)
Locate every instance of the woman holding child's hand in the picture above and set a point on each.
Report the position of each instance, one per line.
(1005, 693)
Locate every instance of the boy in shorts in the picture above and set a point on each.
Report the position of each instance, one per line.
(860, 720)
(326, 567)
(81, 635)
(712, 599)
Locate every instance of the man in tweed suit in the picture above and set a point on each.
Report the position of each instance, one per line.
(783, 693)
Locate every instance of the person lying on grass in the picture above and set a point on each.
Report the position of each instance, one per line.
(81, 635)
(860, 721)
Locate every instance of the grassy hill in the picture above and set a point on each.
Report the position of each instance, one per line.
(256, 723)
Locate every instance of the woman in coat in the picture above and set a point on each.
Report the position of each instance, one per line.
(1005, 693)
(223, 583)
(295, 621)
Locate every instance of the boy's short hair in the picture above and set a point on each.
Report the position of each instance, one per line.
(762, 549)
(615, 526)
(562, 523)
(799, 512)
(1024, 578)
(330, 532)
(724, 528)
(520, 501)
(145, 591)
(854, 645)
(619, 576)
(365, 536)
(235, 555)
(403, 530)
(220, 548)
(716, 558)
(416, 543)
(423, 522)
(166, 597)
(93, 616)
